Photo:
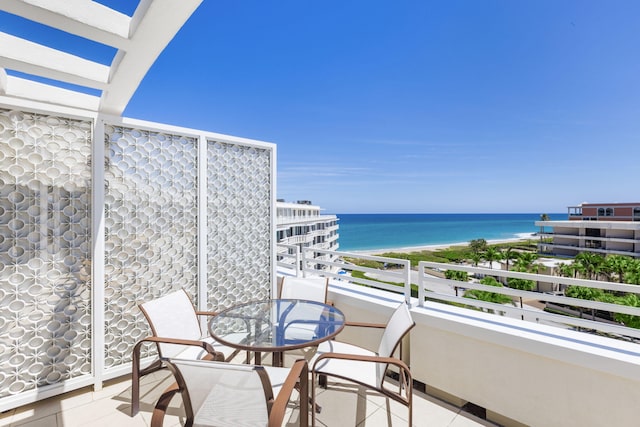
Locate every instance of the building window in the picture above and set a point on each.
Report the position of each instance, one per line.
(605, 211)
(592, 232)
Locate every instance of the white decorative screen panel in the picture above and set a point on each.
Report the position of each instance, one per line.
(150, 229)
(150, 215)
(45, 250)
(238, 224)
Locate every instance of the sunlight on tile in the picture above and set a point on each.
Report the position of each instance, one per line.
(342, 404)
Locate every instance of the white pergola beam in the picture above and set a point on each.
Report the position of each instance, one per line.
(29, 90)
(32, 58)
(3, 81)
(83, 18)
(139, 40)
(157, 23)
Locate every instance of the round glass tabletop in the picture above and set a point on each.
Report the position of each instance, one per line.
(276, 325)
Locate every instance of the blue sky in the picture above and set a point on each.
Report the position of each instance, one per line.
(416, 106)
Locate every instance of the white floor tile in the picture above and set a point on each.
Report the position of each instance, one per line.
(343, 404)
(48, 421)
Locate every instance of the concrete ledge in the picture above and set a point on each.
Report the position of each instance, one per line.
(522, 373)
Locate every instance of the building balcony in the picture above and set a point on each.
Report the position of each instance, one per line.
(619, 239)
(69, 291)
(302, 220)
(591, 247)
(101, 212)
(297, 240)
(471, 367)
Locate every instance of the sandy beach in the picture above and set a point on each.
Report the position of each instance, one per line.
(522, 237)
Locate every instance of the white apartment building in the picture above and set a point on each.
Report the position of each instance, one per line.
(301, 225)
(604, 228)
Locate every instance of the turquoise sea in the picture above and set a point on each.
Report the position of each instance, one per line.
(359, 232)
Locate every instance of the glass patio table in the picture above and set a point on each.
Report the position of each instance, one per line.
(276, 326)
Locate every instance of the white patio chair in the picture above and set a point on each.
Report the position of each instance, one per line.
(303, 288)
(365, 367)
(176, 332)
(228, 395)
(306, 288)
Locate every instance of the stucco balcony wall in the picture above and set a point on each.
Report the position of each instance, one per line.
(521, 373)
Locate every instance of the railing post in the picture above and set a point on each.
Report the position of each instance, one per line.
(298, 261)
(303, 261)
(421, 284)
(407, 281)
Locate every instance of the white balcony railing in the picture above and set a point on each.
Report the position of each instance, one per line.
(435, 288)
(601, 250)
(524, 367)
(398, 277)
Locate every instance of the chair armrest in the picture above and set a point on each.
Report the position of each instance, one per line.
(299, 374)
(362, 358)
(366, 325)
(406, 379)
(161, 340)
(206, 313)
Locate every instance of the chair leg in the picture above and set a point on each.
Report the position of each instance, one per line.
(136, 374)
(322, 381)
(135, 380)
(304, 399)
(163, 403)
(135, 395)
(410, 399)
(313, 399)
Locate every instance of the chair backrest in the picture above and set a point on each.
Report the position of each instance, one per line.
(172, 316)
(305, 288)
(223, 394)
(397, 327)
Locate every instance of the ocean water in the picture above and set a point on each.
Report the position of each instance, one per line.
(359, 232)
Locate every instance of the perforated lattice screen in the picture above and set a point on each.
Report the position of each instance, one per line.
(238, 218)
(151, 239)
(150, 229)
(45, 250)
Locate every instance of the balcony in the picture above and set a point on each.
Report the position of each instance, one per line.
(510, 362)
(518, 366)
(99, 212)
(69, 290)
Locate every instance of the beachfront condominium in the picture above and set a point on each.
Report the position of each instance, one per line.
(301, 225)
(604, 228)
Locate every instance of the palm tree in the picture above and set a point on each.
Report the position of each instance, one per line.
(617, 264)
(508, 254)
(525, 261)
(476, 257)
(461, 276)
(492, 254)
(525, 264)
(566, 270)
(590, 262)
(632, 275)
(488, 296)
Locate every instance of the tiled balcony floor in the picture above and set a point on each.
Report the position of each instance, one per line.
(342, 405)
